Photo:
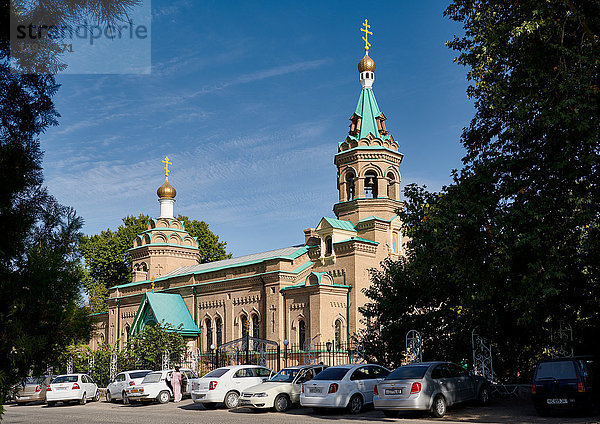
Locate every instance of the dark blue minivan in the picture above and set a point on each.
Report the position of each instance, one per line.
(564, 383)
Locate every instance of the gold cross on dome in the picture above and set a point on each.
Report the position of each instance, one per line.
(367, 33)
(166, 168)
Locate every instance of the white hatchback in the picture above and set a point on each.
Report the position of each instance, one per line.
(343, 386)
(116, 388)
(72, 387)
(226, 384)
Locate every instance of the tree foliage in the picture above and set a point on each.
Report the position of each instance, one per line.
(148, 346)
(511, 247)
(107, 262)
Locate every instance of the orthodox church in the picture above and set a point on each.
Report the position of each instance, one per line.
(306, 293)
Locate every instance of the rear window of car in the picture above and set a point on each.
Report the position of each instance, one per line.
(216, 373)
(560, 370)
(153, 377)
(35, 380)
(332, 374)
(407, 373)
(65, 379)
(138, 374)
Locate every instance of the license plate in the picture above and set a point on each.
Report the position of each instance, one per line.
(24, 397)
(201, 396)
(556, 401)
(133, 391)
(314, 390)
(61, 388)
(393, 391)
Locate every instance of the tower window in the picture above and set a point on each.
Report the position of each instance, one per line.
(391, 188)
(350, 186)
(328, 246)
(395, 242)
(371, 185)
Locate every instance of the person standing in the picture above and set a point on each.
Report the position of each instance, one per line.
(176, 383)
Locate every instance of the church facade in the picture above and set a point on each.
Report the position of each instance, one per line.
(306, 293)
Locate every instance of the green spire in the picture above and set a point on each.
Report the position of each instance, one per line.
(368, 110)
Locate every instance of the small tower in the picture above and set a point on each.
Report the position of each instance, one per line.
(165, 245)
(368, 159)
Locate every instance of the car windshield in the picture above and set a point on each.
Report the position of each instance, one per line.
(332, 373)
(560, 370)
(153, 377)
(65, 379)
(408, 372)
(286, 375)
(216, 373)
(138, 374)
(35, 380)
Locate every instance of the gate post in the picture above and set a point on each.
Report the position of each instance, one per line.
(278, 358)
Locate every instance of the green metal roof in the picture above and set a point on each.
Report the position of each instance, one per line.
(340, 224)
(372, 217)
(358, 239)
(169, 308)
(368, 110)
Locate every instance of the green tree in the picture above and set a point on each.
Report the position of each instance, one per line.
(107, 263)
(148, 346)
(511, 246)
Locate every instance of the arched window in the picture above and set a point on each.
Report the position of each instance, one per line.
(126, 335)
(301, 334)
(395, 247)
(209, 334)
(255, 328)
(338, 333)
(391, 188)
(328, 246)
(349, 186)
(371, 185)
(244, 321)
(219, 331)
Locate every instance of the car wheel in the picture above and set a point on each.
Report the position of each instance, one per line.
(125, 398)
(83, 399)
(356, 404)
(96, 396)
(282, 403)
(109, 397)
(390, 413)
(484, 396)
(163, 397)
(51, 404)
(210, 405)
(232, 399)
(438, 409)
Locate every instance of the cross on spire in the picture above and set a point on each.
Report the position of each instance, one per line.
(366, 36)
(166, 168)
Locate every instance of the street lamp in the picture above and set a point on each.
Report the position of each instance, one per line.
(328, 344)
(286, 342)
(212, 349)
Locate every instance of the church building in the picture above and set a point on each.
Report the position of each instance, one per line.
(306, 293)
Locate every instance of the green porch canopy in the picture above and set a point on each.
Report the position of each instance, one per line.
(164, 307)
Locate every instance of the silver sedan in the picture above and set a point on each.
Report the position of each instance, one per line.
(428, 386)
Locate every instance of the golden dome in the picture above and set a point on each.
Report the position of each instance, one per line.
(166, 190)
(366, 64)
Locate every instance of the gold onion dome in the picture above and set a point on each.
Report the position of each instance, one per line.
(366, 64)
(166, 190)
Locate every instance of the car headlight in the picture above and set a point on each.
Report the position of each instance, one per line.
(263, 394)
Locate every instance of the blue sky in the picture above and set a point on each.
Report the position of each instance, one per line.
(249, 101)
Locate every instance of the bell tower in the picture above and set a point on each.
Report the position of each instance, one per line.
(368, 159)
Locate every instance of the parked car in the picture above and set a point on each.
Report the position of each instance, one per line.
(72, 387)
(116, 388)
(343, 386)
(225, 384)
(429, 386)
(564, 383)
(282, 390)
(34, 389)
(156, 386)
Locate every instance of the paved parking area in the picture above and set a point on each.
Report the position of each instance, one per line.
(501, 411)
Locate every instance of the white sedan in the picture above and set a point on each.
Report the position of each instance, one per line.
(72, 387)
(343, 386)
(226, 384)
(116, 388)
(156, 386)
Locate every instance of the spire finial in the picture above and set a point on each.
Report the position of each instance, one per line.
(366, 36)
(167, 163)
